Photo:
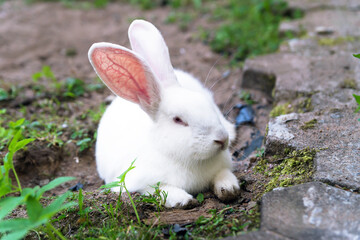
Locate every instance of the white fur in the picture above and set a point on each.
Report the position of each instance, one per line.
(184, 159)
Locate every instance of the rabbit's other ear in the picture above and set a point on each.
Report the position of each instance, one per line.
(126, 74)
(146, 40)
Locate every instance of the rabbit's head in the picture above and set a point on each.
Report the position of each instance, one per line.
(187, 123)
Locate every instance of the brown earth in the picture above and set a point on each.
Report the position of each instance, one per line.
(45, 33)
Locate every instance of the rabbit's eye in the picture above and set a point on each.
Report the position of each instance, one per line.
(178, 120)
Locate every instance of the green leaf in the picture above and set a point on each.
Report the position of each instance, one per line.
(121, 178)
(56, 206)
(83, 141)
(123, 175)
(48, 73)
(21, 144)
(54, 183)
(28, 192)
(69, 94)
(200, 197)
(20, 234)
(16, 228)
(81, 200)
(17, 124)
(8, 162)
(357, 55)
(4, 95)
(112, 185)
(197, 4)
(14, 141)
(100, 3)
(36, 76)
(75, 87)
(8, 204)
(5, 186)
(15, 224)
(34, 208)
(357, 99)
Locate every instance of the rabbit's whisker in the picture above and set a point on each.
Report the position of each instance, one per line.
(212, 67)
(227, 101)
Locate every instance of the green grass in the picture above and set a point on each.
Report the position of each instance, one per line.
(248, 27)
(56, 121)
(69, 88)
(119, 221)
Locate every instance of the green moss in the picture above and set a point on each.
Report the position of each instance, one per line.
(304, 106)
(266, 131)
(261, 165)
(349, 83)
(309, 125)
(335, 41)
(281, 109)
(295, 168)
(273, 93)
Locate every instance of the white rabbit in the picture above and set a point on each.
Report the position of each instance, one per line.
(163, 118)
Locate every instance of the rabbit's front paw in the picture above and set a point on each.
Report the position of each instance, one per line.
(226, 186)
(178, 198)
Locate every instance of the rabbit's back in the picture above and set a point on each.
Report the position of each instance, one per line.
(122, 130)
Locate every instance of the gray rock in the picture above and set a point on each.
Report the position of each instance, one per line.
(258, 235)
(338, 98)
(312, 5)
(336, 136)
(337, 20)
(321, 46)
(296, 74)
(259, 73)
(311, 211)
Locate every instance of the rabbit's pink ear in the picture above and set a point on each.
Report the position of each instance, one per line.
(146, 40)
(126, 74)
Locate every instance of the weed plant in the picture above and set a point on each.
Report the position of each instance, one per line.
(121, 184)
(51, 97)
(12, 196)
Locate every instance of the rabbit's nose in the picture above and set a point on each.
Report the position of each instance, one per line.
(222, 140)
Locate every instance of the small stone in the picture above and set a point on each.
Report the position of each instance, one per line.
(321, 30)
(226, 73)
(43, 182)
(76, 187)
(182, 51)
(335, 115)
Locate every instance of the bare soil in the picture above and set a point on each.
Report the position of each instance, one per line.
(44, 33)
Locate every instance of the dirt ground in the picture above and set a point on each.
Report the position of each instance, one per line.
(43, 33)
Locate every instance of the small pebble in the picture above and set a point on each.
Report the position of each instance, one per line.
(44, 182)
(322, 30)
